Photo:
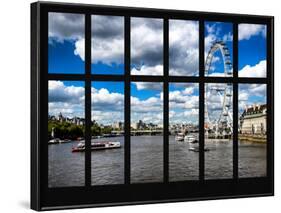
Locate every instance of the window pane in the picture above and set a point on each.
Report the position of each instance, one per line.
(252, 130)
(218, 49)
(184, 131)
(146, 132)
(66, 43)
(146, 46)
(107, 133)
(107, 44)
(252, 50)
(66, 125)
(218, 131)
(183, 48)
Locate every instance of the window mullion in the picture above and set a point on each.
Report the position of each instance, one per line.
(201, 101)
(88, 100)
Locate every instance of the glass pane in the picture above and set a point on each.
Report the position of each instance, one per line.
(146, 132)
(218, 49)
(184, 131)
(252, 130)
(183, 48)
(218, 131)
(66, 125)
(107, 133)
(146, 46)
(107, 44)
(66, 43)
(252, 50)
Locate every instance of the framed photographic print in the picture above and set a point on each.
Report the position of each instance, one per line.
(136, 105)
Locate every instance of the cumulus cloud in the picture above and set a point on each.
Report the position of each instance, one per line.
(258, 70)
(183, 47)
(146, 42)
(107, 39)
(146, 70)
(58, 92)
(107, 117)
(147, 110)
(102, 99)
(183, 104)
(68, 100)
(66, 26)
(149, 86)
(246, 31)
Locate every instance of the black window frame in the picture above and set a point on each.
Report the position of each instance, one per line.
(44, 198)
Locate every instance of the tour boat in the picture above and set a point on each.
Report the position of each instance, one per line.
(97, 146)
(179, 137)
(190, 139)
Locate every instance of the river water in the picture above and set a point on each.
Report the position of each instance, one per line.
(67, 168)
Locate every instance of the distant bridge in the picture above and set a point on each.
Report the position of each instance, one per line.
(139, 132)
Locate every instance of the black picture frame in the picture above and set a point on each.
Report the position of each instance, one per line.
(44, 198)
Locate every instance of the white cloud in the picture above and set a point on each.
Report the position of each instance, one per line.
(246, 31)
(103, 97)
(183, 104)
(79, 48)
(147, 110)
(66, 26)
(107, 39)
(192, 112)
(149, 86)
(184, 47)
(146, 42)
(258, 70)
(58, 92)
(107, 117)
(228, 37)
(146, 70)
(188, 91)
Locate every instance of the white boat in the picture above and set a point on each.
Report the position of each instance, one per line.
(54, 141)
(179, 137)
(57, 140)
(196, 149)
(191, 139)
(97, 146)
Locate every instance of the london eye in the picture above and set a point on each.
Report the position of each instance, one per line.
(221, 124)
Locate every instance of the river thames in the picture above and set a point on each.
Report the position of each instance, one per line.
(67, 168)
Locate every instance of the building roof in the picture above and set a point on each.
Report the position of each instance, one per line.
(256, 109)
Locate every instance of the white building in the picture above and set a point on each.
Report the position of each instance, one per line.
(253, 120)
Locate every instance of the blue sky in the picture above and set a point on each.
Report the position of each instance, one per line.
(252, 50)
(62, 60)
(66, 55)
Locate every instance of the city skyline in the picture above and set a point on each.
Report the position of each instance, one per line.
(119, 124)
